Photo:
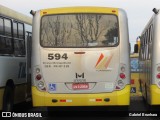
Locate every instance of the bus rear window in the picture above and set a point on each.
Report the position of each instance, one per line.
(79, 30)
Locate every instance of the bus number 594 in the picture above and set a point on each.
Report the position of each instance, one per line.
(57, 56)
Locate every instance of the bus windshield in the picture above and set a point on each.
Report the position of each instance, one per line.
(79, 30)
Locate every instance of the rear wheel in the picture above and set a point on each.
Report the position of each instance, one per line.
(148, 106)
(8, 98)
(144, 96)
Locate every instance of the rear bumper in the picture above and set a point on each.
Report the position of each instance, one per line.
(116, 98)
(154, 95)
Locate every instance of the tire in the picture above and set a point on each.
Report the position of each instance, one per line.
(148, 106)
(8, 99)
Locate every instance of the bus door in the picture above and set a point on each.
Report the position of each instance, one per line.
(28, 68)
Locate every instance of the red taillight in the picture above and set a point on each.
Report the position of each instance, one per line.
(62, 100)
(38, 77)
(158, 75)
(98, 100)
(122, 76)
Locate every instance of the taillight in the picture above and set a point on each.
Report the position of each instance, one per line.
(38, 77)
(122, 75)
(37, 70)
(123, 69)
(39, 81)
(120, 83)
(40, 84)
(158, 76)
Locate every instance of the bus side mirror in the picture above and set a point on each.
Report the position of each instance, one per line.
(136, 48)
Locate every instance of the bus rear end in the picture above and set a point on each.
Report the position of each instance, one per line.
(80, 57)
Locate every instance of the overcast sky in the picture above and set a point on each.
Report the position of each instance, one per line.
(139, 11)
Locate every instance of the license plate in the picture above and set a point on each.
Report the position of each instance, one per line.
(80, 86)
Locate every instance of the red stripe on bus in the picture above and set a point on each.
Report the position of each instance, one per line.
(98, 100)
(62, 100)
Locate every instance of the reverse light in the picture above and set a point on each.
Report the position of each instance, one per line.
(122, 75)
(123, 69)
(38, 77)
(120, 83)
(37, 70)
(40, 85)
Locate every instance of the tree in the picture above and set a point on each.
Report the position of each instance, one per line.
(55, 31)
(111, 34)
(88, 27)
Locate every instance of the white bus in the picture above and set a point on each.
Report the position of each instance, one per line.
(80, 57)
(149, 60)
(15, 39)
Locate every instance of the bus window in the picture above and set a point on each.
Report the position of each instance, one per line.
(1, 26)
(85, 30)
(20, 30)
(19, 43)
(7, 25)
(5, 41)
(15, 29)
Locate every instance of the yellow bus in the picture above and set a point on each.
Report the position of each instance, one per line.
(15, 55)
(80, 57)
(135, 70)
(135, 84)
(150, 60)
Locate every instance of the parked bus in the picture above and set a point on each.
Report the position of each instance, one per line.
(134, 74)
(135, 70)
(150, 60)
(15, 39)
(80, 57)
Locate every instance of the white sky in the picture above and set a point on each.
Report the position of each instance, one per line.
(139, 11)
